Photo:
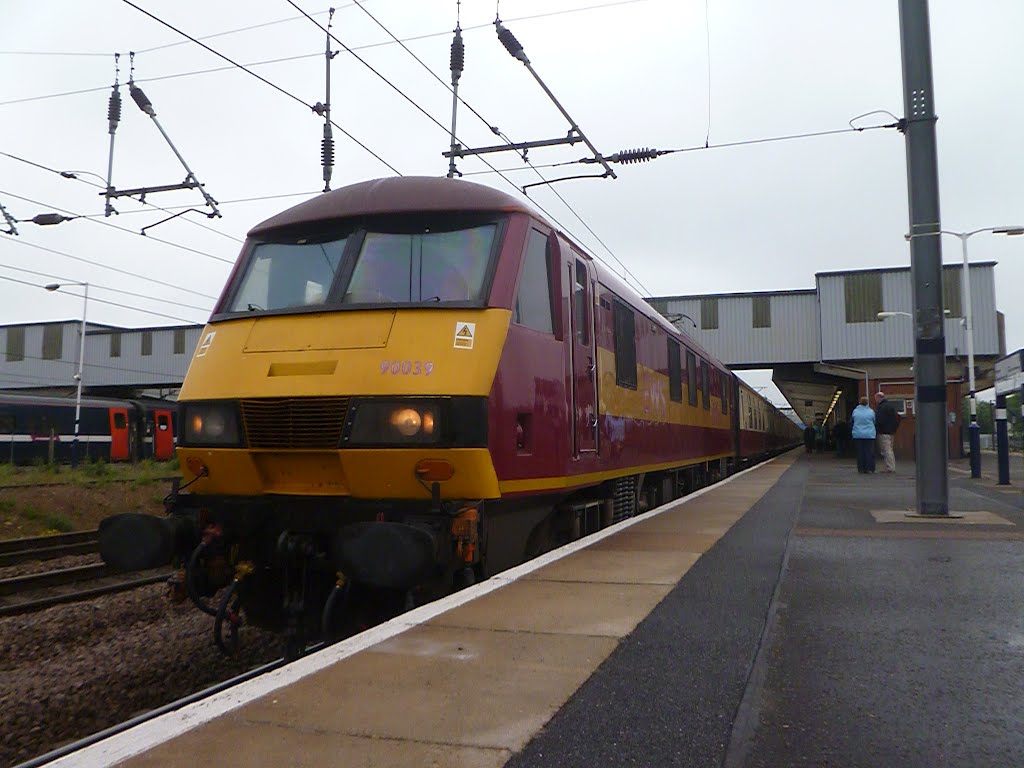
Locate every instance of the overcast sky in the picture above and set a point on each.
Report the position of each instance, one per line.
(634, 74)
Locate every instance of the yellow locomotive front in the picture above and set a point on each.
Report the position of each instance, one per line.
(333, 423)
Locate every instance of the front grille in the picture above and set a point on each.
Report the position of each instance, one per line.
(294, 422)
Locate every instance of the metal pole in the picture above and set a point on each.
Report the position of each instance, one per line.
(1002, 441)
(974, 428)
(81, 369)
(925, 260)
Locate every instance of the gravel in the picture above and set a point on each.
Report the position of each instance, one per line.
(73, 670)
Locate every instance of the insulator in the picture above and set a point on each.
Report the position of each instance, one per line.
(628, 156)
(114, 110)
(48, 219)
(141, 99)
(327, 152)
(458, 54)
(512, 45)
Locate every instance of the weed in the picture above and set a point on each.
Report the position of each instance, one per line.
(50, 520)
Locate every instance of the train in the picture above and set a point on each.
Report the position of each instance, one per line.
(41, 429)
(410, 384)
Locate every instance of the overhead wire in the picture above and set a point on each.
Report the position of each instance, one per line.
(104, 301)
(22, 241)
(258, 77)
(489, 125)
(71, 175)
(60, 278)
(364, 47)
(122, 229)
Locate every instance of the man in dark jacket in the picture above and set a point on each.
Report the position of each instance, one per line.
(887, 421)
(809, 438)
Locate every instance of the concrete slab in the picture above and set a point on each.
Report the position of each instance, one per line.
(655, 535)
(439, 685)
(618, 567)
(250, 747)
(572, 608)
(963, 518)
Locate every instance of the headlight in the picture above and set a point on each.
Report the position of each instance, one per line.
(394, 422)
(210, 424)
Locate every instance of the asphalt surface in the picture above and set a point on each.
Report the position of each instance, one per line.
(811, 635)
(669, 693)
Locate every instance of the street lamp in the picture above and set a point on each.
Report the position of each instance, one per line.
(975, 428)
(81, 363)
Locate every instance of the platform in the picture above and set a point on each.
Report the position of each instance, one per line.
(769, 620)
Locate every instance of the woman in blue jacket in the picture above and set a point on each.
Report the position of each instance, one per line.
(863, 434)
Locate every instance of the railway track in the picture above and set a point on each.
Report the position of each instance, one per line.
(33, 592)
(27, 594)
(39, 548)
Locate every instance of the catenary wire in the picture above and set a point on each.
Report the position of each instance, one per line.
(133, 294)
(121, 229)
(104, 301)
(22, 241)
(260, 78)
(364, 47)
(101, 186)
(486, 122)
(456, 138)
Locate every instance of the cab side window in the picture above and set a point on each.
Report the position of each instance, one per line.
(533, 300)
(625, 345)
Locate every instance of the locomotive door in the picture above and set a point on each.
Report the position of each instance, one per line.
(163, 436)
(584, 357)
(119, 434)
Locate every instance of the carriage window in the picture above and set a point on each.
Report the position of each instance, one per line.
(115, 344)
(119, 421)
(580, 301)
(675, 373)
(691, 376)
(625, 346)
(53, 338)
(533, 300)
(7, 424)
(280, 275)
(705, 385)
(724, 390)
(428, 266)
(147, 343)
(15, 344)
(161, 422)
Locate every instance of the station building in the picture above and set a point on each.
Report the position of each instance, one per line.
(827, 345)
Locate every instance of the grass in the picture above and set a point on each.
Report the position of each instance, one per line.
(51, 522)
(87, 473)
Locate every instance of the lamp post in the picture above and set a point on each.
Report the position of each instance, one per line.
(81, 366)
(974, 428)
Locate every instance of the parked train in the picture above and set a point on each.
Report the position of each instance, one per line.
(412, 383)
(36, 428)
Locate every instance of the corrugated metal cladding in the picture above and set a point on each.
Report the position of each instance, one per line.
(112, 357)
(850, 303)
(791, 335)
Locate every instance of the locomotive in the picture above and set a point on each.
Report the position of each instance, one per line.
(410, 384)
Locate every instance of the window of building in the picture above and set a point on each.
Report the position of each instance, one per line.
(952, 282)
(147, 343)
(625, 346)
(708, 314)
(691, 376)
(675, 372)
(580, 300)
(15, 344)
(762, 311)
(179, 341)
(53, 342)
(115, 344)
(863, 293)
(533, 301)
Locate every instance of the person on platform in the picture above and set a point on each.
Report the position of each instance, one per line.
(841, 437)
(887, 421)
(863, 433)
(809, 438)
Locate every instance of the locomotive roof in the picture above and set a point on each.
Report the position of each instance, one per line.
(403, 194)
